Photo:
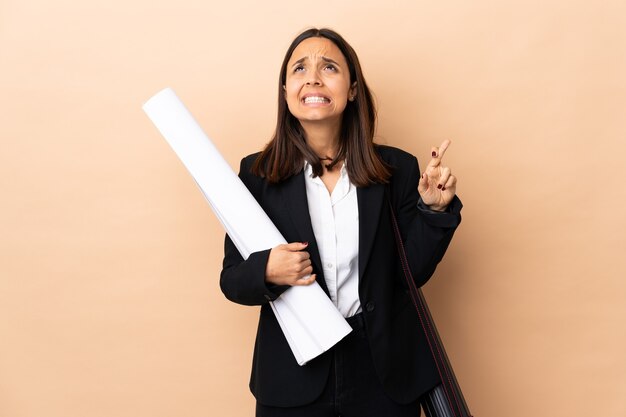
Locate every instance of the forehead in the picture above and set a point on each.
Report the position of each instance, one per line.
(315, 48)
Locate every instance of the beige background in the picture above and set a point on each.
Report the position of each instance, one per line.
(109, 256)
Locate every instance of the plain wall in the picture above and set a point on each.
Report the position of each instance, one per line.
(110, 257)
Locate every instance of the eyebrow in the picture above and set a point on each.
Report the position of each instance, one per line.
(324, 58)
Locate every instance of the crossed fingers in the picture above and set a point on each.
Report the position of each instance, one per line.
(437, 153)
(437, 186)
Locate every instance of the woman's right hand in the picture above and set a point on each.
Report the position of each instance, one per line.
(288, 264)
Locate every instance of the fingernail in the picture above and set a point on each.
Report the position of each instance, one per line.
(434, 154)
(440, 186)
(305, 243)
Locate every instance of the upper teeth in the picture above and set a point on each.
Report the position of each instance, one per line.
(315, 99)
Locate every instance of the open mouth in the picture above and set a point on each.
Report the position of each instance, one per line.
(316, 100)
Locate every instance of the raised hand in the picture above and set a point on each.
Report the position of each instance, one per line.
(437, 185)
(289, 264)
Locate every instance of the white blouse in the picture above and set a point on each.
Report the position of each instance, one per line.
(335, 221)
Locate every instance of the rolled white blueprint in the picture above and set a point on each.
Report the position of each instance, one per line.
(308, 318)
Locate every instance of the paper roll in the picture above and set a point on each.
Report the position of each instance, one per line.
(308, 318)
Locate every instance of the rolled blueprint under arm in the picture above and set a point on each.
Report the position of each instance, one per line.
(307, 317)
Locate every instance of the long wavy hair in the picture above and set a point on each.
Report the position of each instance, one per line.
(285, 154)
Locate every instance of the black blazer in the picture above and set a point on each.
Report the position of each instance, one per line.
(399, 349)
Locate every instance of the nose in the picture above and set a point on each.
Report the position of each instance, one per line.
(313, 78)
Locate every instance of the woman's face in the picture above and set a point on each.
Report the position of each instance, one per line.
(317, 84)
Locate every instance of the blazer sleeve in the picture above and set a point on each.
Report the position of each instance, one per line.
(243, 281)
(426, 234)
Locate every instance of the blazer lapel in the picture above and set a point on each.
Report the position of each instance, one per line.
(370, 200)
(294, 194)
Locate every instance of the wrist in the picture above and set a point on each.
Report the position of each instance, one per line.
(430, 207)
(438, 208)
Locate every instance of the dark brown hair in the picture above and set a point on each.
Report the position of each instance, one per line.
(285, 154)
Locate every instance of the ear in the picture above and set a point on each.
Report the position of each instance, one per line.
(353, 90)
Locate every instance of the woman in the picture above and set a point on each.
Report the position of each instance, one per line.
(330, 192)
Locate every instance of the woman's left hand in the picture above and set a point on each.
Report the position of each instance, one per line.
(437, 185)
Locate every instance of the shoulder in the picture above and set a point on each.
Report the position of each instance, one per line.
(404, 171)
(245, 167)
(248, 161)
(402, 163)
(253, 182)
(395, 157)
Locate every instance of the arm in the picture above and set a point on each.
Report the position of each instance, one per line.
(266, 274)
(243, 282)
(426, 233)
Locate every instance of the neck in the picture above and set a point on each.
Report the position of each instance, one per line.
(322, 138)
